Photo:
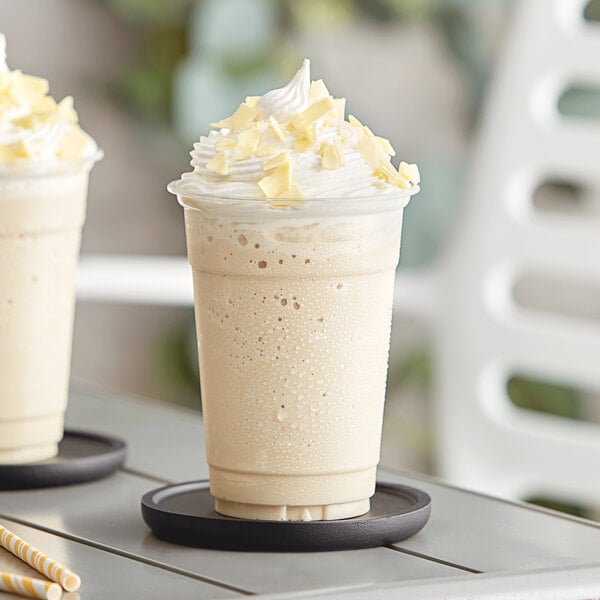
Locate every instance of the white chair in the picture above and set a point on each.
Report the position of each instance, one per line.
(481, 335)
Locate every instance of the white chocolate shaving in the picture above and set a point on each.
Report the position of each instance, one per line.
(276, 161)
(242, 117)
(318, 90)
(410, 172)
(219, 164)
(225, 143)
(247, 143)
(276, 183)
(276, 127)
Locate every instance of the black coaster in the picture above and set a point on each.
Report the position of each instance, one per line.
(81, 457)
(184, 514)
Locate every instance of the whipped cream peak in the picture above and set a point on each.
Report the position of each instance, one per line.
(294, 142)
(292, 98)
(33, 126)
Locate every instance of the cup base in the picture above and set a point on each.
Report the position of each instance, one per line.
(264, 512)
(81, 457)
(30, 440)
(28, 455)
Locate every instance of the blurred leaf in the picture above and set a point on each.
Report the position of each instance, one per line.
(150, 12)
(379, 10)
(144, 89)
(544, 397)
(414, 9)
(592, 10)
(245, 66)
(319, 13)
(146, 86)
(465, 44)
(565, 507)
(415, 369)
(173, 364)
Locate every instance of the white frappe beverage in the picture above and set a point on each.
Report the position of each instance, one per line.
(40, 225)
(45, 161)
(293, 300)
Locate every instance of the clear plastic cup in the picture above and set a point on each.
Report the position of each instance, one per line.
(293, 308)
(42, 210)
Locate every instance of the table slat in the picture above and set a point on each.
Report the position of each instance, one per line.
(491, 535)
(105, 575)
(574, 583)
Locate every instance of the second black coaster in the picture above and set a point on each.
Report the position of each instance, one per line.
(183, 514)
(81, 457)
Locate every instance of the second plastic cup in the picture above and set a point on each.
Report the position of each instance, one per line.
(41, 216)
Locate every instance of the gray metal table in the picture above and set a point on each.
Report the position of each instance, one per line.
(473, 546)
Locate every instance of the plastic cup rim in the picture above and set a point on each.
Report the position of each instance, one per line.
(189, 199)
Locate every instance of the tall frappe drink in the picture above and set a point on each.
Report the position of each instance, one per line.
(293, 297)
(45, 161)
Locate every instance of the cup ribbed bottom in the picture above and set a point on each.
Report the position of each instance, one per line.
(28, 455)
(325, 512)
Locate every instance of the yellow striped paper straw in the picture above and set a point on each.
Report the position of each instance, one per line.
(39, 561)
(32, 588)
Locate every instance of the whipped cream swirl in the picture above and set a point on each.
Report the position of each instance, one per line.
(33, 126)
(294, 142)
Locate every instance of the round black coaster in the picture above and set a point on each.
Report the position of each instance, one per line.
(184, 514)
(81, 457)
